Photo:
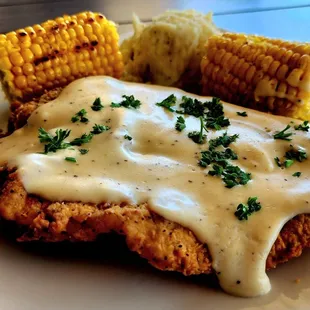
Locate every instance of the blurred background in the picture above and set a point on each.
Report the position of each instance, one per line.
(278, 18)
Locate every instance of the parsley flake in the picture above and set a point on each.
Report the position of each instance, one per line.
(80, 116)
(296, 174)
(297, 154)
(191, 107)
(128, 102)
(168, 103)
(83, 151)
(233, 176)
(98, 129)
(215, 116)
(85, 138)
(245, 210)
(243, 114)
(283, 135)
(70, 159)
(56, 142)
(97, 106)
(212, 156)
(292, 155)
(225, 140)
(304, 126)
(180, 124)
(278, 162)
(198, 136)
(128, 137)
(288, 163)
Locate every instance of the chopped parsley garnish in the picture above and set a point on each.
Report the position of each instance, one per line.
(245, 210)
(83, 151)
(80, 116)
(288, 163)
(296, 174)
(168, 103)
(215, 116)
(97, 106)
(128, 102)
(85, 138)
(97, 129)
(299, 155)
(71, 159)
(180, 124)
(128, 137)
(223, 140)
(198, 136)
(233, 175)
(278, 162)
(191, 107)
(212, 156)
(304, 126)
(292, 155)
(283, 135)
(54, 143)
(244, 114)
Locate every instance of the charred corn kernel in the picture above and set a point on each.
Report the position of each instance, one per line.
(56, 52)
(265, 74)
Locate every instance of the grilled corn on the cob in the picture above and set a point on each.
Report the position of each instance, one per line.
(57, 52)
(265, 74)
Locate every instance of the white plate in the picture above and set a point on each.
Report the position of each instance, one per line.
(106, 276)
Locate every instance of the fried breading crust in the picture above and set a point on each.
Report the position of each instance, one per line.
(166, 245)
(20, 111)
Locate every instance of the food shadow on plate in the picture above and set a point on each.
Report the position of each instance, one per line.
(108, 250)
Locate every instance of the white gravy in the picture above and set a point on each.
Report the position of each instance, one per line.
(159, 166)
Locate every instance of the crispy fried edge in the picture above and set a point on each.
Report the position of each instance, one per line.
(165, 244)
(20, 112)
